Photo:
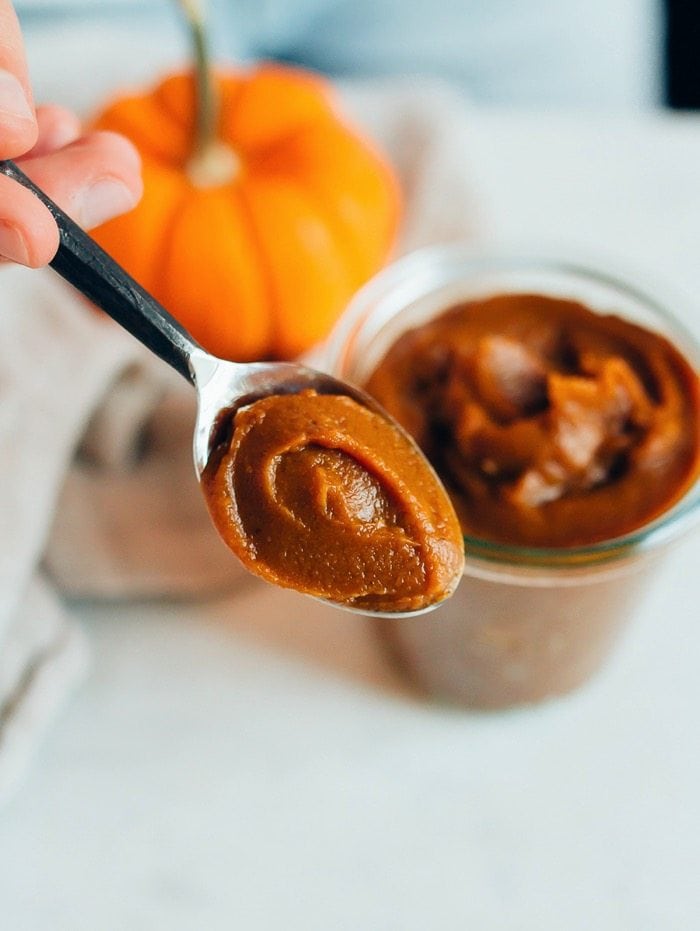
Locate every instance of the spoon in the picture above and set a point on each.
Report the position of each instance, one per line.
(222, 386)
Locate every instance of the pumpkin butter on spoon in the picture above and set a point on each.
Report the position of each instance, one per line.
(324, 495)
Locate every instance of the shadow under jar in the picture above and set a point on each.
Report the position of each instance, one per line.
(528, 621)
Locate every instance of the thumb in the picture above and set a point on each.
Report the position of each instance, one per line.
(18, 127)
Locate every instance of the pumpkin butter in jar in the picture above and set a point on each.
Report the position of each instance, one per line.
(561, 409)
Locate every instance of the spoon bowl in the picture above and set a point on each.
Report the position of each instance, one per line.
(225, 387)
(222, 387)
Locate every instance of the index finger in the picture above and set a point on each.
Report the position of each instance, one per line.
(18, 129)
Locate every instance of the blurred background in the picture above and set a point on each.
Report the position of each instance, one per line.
(587, 53)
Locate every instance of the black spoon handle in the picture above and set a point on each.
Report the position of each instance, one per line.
(96, 275)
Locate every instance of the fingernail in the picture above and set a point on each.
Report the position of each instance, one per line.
(12, 244)
(13, 100)
(102, 201)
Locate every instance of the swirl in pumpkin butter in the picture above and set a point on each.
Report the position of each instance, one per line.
(321, 494)
(551, 425)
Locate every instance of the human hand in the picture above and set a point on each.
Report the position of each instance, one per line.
(93, 176)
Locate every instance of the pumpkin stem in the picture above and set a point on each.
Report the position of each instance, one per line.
(212, 162)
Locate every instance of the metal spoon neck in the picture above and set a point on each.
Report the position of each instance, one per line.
(203, 366)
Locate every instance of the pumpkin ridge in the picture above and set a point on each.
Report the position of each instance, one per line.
(238, 192)
(343, 233)
(165, 254)
(118, 119)
(277, 304)
(234, 102)
(223, 78)
(254, 78)
(164, 102)
(328, 214)
(338, 121)
(289, 137)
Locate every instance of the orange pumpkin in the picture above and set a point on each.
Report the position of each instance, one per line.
(257, 244)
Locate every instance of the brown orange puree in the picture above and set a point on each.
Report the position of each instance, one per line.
(549, 424)
(318, 493)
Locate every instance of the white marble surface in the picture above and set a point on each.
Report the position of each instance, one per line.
(252, 763)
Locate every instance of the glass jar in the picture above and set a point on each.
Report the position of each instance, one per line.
(525, 623)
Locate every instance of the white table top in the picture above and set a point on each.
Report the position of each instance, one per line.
(252, 763)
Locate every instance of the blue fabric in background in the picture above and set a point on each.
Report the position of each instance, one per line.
(581, 53)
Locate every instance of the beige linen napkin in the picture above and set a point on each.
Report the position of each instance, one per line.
(98, 496)
(56, 361)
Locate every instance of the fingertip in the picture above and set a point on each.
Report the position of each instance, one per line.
(113, 148)
(28, 231)
(17, 116)
(34, 248)
(43, 246)
(101, 201)
(18, 136)
(57, 127)
(126, 159)
(114, 164)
